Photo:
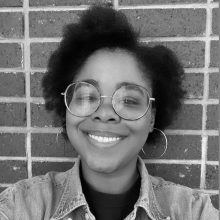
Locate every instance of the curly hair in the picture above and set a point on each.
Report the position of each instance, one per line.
(103, 27)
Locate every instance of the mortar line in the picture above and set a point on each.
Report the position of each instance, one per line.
(188, 70)
(152, 6)
(116, 4)
(203, 161)
(176, 161)
(72, 159)
(36, 100)
(76, 8)
(41, 101)
(142, 39)
(213, 192)
(147, 161)
(177, 39)
(54, 130)
(27, 85)
(205, 95)
(200, 70)
(170, 6)
(17, 158)
(11, 9)
(34, 69)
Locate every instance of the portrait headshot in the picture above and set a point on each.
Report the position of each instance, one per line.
(109, 110)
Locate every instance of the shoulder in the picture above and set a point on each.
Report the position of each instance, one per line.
(183, 200)
(31, 193)
(51, 179)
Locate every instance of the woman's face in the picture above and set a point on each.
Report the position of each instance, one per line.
(108, 69)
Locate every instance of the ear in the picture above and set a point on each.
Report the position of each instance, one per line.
(153, 114)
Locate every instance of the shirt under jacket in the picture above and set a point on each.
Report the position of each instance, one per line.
(59, 196)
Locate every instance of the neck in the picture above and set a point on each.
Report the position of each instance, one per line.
(114, 183)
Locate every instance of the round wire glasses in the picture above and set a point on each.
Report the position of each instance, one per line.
(130, 102)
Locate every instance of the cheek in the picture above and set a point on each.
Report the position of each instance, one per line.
(141, 128)
(72, 123)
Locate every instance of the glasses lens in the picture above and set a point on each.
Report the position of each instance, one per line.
(131, 102)
(82, 99)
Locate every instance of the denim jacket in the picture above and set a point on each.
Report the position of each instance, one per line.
(59, 196)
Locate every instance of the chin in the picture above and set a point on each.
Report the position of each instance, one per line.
(102, 165)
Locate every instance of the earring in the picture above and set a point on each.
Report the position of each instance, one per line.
(59, 132)
(165, 147)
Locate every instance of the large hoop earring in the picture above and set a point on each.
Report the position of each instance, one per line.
(59, 132)
(165, 147)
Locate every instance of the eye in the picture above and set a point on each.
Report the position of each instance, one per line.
(130, 102)
(86, 98)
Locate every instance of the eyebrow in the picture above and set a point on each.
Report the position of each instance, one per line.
(91, 81)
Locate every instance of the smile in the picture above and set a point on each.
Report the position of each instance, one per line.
(102, 139)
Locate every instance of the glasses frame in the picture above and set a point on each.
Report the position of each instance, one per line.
(104, 96)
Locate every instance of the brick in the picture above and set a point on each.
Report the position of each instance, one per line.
(148, 2)
(181, 147)
(212, 117)
(50, 24)
(191, 54)
(12, 144)
(66, 2)
(36, 89)
(12, 84)
(215, 200)
(213, 85)
(11, 3)
(12, 114)
(11, 25)
(213, 148)
(11, 55)
(40, 117)
(193, 84)
(41, 168)
(45, 145)
(212, 175)
(187, 175)
(2, 189)
(12, 171)
(214, 54)
(190, 117)
(215, 21)
(167, 22)
(40, 53)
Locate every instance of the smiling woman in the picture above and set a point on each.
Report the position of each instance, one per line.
(111, 93)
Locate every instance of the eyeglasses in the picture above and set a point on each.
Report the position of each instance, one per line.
(130, 102)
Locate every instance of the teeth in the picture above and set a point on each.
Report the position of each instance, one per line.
(104, 139)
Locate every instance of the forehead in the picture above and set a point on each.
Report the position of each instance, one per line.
(112, 67)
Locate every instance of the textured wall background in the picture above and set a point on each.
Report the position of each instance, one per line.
(30, 30)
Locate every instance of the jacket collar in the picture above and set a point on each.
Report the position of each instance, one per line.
(73, 196)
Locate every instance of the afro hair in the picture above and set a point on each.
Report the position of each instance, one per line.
(103, 27)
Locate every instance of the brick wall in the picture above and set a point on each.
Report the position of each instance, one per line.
(30, 30)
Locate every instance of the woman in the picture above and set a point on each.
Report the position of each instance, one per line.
(111, 93)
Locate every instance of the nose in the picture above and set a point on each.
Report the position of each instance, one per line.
(105, 112)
